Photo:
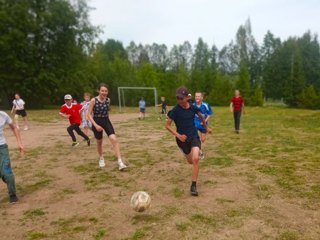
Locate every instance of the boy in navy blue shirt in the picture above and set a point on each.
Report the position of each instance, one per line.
(187, 137)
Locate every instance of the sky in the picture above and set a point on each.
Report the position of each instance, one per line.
(215, 21)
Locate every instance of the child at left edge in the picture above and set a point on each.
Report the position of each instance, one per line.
(72, 111)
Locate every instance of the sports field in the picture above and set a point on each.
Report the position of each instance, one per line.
(261, 184)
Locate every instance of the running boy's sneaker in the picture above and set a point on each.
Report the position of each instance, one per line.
(201, 155)
(25, 128)
(13, 199)
(193, 190)
(88, 141)
(101, 162)
(122, 166)
(74, 144)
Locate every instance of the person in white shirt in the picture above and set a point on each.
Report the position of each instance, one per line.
(18, 110)
(5, 164)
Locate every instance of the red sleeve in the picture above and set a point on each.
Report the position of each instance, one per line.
(79, 106)
(62, 109)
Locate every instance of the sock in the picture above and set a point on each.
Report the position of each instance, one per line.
(194, 183)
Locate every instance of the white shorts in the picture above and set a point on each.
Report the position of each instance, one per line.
(86, 123)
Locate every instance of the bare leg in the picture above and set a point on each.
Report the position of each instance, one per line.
(194, 156)
(16, 120)
(116, 145)
(99, 147)
(86, 130)
(203, 137)
(25, 120)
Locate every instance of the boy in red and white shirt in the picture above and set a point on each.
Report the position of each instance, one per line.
(72, 111)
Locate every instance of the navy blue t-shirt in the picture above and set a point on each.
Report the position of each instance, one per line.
(184, 120)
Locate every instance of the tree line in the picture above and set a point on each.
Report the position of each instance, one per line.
(48, 48)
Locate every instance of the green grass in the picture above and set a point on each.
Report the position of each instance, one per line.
(138, 234)
(33, 213)
(34, 235)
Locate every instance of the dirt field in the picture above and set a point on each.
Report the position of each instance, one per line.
(261, 184)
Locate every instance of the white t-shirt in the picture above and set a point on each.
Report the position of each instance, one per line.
(19, 104)
(4, 119)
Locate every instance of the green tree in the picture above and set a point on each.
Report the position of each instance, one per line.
(309, 98)
(243, 83)
(295, 81)
(44, 47)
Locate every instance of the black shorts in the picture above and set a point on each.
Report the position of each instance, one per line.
(188, 144)
(163, 111)
(105, 124)
(142, 110)
(21, 113)
(202, 130)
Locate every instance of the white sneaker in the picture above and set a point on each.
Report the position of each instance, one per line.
(101, 162)
(121, 166)
(201, 155)
(25, 128)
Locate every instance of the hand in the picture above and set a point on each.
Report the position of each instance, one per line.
(22, 149)
(99, 128)
(182, 138)
(231, 110)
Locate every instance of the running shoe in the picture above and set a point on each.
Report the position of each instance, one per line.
(101, 162)
(193, 190)
(201, 155)
(74, 144)
(25, 128)
(88, 141)
(122, 166)
(13, 199)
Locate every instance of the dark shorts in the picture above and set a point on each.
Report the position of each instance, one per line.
(163, 111)
(187, 145)
(21, 113)
(105, 124)
(202, 130)
(142, 110)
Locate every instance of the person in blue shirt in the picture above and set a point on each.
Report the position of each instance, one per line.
(206, 111)
(186, 134)
(142, 108)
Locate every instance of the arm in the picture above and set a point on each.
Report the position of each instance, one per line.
(182, 138)
(243, 109)
(13, 108)
(231, 107)
(203, 120)
(64, 115)
(90, 118)
(18, 137)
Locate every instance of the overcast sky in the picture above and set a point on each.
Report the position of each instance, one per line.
(216, 21)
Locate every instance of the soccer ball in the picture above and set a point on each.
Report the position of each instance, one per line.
(140, 201)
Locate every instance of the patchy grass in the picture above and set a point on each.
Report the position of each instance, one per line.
(263, 183)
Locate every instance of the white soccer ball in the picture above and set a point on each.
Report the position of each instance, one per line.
(140, 201)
